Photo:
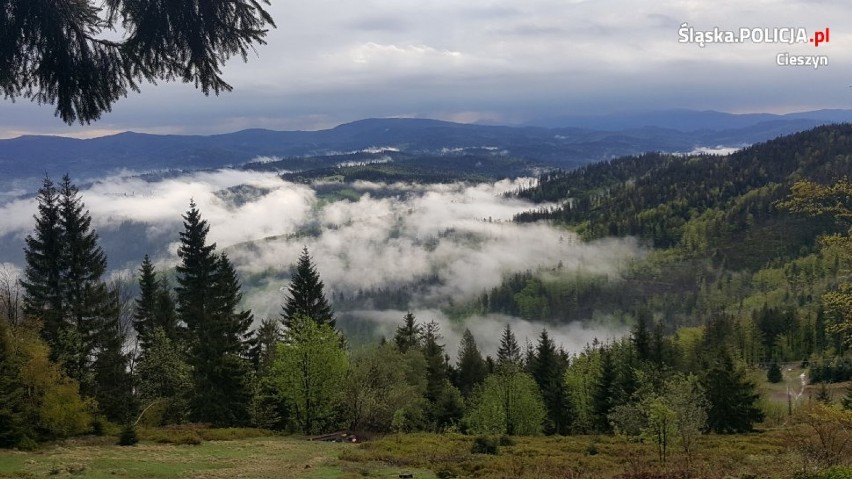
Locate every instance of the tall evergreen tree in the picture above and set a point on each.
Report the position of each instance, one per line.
(195, 271)
(63, 281)
(87, 302)
(207, 298)
(445, 402)
(732, 397)
(548, 370)
(154, 307)
(144, 317)
(113, 382)
(509, 353)
(642, 334)
(306, 296)
(471, 367)
(602, 399)
(43, 274)
(264, 344)
(409, 334)
(227, 296)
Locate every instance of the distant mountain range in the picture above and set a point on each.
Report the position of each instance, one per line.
(690, 120)
(599, 138)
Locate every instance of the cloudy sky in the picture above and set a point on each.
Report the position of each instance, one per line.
(491, 60)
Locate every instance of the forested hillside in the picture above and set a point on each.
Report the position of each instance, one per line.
(728, 239)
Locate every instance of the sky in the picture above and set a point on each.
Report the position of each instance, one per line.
(496, 61)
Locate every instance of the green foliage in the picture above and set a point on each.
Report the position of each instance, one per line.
(380, 395)
(309, 371)
(508, 402)
(661, 426)
(163, 376)
(824, 434)
(54, 408)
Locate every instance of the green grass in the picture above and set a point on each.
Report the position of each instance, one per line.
(245, 455)
(249, 458)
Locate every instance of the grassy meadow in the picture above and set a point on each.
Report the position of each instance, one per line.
(170, 454)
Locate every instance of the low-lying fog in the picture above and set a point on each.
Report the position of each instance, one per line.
(458, 236)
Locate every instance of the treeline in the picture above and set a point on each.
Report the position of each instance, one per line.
(82, 355)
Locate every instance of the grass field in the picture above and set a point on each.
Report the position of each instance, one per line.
(261, 458)
(756, 455)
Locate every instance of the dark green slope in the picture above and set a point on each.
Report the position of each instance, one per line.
(724, 206)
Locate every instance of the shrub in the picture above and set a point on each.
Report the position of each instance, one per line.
(506, 440)
(128, 436)
(484, 445)
(773, 374)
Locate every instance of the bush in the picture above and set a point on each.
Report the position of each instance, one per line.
(773, 374)
(27, 444)
(484, 445)
(506, 440)
(128, 436)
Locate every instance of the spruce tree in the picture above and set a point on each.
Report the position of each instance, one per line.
(43, 274)
(548, 370)
(154, 307)
(642, 334)
(87, 302)
(264, 344)
(602, 396)
(509, 353)
(774, 374)
(306, 296)
(236, 325)
(113, 382)
(208, 294)
(195, 271)
(146, 304)
(62, 283)
(732, 397)
(471, 367)
(445, 403)
(409, 334)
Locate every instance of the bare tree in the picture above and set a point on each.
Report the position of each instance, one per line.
(11, 295)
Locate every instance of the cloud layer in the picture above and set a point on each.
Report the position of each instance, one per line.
(456, 239)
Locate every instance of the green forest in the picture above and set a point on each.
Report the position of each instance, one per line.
(748, 274)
